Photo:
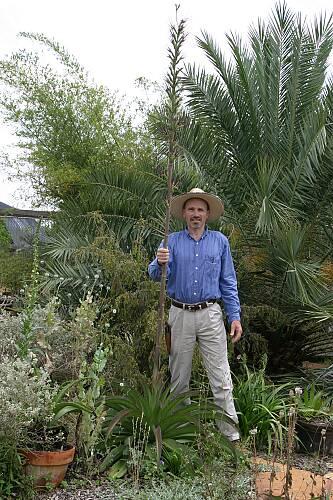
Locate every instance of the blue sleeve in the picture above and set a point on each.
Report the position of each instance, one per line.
(228, 285)
(155, 270)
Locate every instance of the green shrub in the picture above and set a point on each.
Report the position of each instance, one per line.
(15, 269)
(260, 406)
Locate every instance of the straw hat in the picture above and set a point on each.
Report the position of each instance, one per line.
(216, 206)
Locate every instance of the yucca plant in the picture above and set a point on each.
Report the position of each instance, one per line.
(168, 422)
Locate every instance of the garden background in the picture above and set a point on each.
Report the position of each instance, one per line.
(253, 125)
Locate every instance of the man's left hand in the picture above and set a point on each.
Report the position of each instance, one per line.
(235, 331)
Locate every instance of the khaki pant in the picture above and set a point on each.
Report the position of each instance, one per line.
(207, 327)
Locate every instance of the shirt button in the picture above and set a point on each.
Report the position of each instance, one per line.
(197, 243)
(196, 268)
(194, 293)
(196, 254)
(195, 281)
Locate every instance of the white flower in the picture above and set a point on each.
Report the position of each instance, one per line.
(121, 384)
(22, 290)
(107, 325)
(254, 431)
(61, 278)
(323, 432)
(291, 393)
(96, 276)
(47, 274)
(114, 311)
(298, 391)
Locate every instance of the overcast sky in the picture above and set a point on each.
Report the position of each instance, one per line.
(119, 41)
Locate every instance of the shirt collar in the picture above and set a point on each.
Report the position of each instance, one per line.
(204, 234)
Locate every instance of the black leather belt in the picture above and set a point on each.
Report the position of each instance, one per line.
(193, 307)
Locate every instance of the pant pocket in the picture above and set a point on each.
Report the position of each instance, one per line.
(172, 316)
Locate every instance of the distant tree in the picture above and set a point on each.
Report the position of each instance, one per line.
(67, 125)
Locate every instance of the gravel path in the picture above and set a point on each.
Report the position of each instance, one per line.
(93, 493)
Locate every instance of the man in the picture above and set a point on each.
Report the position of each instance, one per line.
(200, 272)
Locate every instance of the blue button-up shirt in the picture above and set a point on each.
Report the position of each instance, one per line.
(200, 270)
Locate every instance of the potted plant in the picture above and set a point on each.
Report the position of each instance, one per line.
(315, 423)
(47, 454)
(27, 397)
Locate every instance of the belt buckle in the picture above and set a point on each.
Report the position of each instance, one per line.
(189, 308)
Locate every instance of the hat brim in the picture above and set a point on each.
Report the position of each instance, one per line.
(216, 207)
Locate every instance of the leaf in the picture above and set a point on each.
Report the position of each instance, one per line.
(115, 421)
(118, 470)
(114, 455)
(62, 409)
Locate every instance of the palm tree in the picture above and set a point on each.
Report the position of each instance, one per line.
(260, 125)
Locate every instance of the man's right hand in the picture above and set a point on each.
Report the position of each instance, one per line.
(162, 256)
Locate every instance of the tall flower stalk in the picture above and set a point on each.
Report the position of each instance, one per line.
(172, 115)
(32, 294)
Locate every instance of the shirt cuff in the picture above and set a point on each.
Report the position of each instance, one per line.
(234, 317)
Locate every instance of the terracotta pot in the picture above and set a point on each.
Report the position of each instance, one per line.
(47, 467)
(311, 437)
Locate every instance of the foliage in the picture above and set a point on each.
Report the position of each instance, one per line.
(314, 403)
(89, 403)
(10, 332)
(5, 239)
(260, 127)
(26, 397)
(27, 327)
(168, 422)
(235, 484)
(15, 270)
(126, 301)
(13, 481)
(67, 125)
(260, 406)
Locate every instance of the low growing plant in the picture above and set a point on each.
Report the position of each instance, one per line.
(13, 481)
(89, 404)
(170, 423)
(313, 403)
(260, 405)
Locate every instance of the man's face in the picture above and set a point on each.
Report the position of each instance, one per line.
(196, 213)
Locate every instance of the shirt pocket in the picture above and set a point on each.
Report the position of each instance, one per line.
(212, 268)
